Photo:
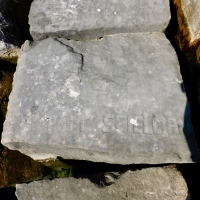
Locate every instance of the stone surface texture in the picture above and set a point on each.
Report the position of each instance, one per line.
(86, 20)
(103, 101)
(151, 183)
(188, 13)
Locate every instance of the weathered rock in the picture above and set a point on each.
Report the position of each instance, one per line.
(117, 100)
(86, 20)
(18, 168)
(188, 13)
(152, 183)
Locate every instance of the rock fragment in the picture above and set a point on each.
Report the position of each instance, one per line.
(151, 183)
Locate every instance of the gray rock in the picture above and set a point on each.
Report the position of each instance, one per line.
(117, 100)
(152, 184)
(86, 20)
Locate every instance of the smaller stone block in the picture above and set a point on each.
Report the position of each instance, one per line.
(87, 20)
(152, 184)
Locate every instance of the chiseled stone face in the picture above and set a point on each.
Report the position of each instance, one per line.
(86, 20)
(152, 183)
(116, 100)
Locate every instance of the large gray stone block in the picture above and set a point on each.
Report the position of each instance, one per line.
(117, 100)
(152, 184)
(86, 20)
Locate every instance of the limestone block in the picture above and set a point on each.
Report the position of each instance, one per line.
(116, 100)
(152, 183)
(86, 20)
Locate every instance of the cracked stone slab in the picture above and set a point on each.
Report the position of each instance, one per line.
(151, 183)
(189, 22)
(116, 100)
(88, 20)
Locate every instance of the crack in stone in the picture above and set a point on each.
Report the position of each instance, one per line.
(71, 49)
